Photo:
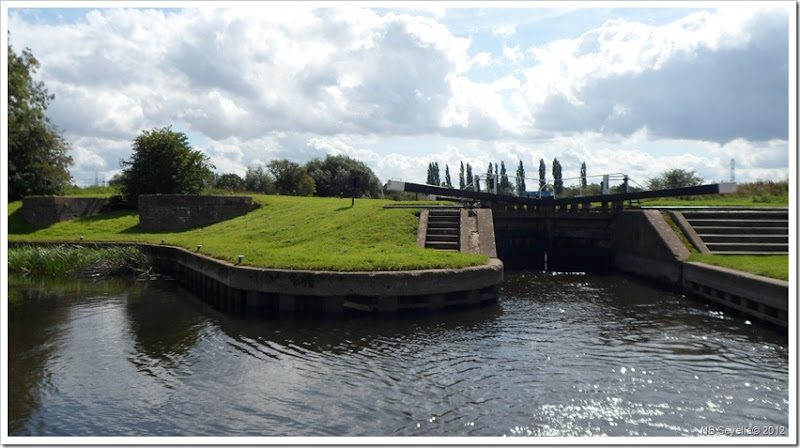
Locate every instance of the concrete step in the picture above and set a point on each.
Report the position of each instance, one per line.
(747, 247)
(445, 211)
(442, 238)
(706, 230)
(442, 245)
(741, 215)
(442, 230)
(738, 223)
(744, 238)
(443, 225)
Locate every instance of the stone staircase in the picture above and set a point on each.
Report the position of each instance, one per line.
(444, 229)
(734, 232)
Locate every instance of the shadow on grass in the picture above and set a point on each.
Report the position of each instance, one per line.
(17, 225)
(100, 217)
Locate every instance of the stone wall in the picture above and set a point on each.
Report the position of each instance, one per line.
(43, 211)
(179, 211)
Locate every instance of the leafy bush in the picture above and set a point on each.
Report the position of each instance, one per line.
(163, 162)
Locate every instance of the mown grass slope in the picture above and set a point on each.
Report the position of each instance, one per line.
(283, 232)
(773, 266)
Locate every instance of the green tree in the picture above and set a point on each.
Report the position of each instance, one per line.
(674, 178)
(37, 153)
(491, 181)
(520, 179)
(258, 180)
(447, 181)
(542, 173)
(230, 181)
(583, 175)
(558, 183)
(334, 176)
(291, 179)
(433, 174)
(505, 185)
(461, 183)
(163, 162)
(469, 178)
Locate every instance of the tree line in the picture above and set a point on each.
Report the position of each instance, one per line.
(496, 174)
(163, 162)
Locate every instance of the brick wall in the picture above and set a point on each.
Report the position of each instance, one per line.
(44, 211)
(179, 212)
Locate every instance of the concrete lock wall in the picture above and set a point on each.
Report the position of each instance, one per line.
(179, 212)
(233, 287)
(645, 245)
(43, 211)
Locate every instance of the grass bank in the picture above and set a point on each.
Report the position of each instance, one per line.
(283, 232)
(65, 260)
(773, 266)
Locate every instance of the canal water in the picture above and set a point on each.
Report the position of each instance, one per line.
(558, 355)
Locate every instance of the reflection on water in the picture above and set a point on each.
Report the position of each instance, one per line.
(559, 355)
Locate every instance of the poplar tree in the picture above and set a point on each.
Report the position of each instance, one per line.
(461, 183)
(505, 185)
(433, 174)
(447, 181)
(542, 173)
(558, 184)
(470, 179)
(520, 179)
(583, 175)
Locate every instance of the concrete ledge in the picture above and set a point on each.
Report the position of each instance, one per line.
(761, 297)
(486, 232)
(422, 230)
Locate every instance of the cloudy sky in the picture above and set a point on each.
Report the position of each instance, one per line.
(626, 88)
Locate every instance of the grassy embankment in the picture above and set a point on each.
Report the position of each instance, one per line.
(283, 232)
